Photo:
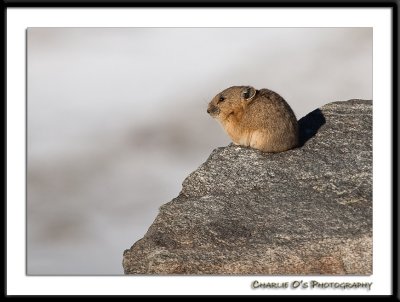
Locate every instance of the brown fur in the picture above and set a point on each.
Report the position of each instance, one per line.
(260, 119)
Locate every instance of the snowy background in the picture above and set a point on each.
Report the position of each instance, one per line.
(117, 119)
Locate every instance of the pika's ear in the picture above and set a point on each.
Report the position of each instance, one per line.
(248, 93)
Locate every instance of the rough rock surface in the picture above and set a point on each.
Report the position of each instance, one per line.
(307, 211)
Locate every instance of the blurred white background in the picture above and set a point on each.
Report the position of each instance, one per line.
(117, 119)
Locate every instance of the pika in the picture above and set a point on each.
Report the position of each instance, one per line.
(260, 119)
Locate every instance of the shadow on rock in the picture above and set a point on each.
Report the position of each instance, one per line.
(309, 125)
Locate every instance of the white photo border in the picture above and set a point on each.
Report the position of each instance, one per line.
(19, 19)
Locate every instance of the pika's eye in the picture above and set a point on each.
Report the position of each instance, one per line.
(221, 99)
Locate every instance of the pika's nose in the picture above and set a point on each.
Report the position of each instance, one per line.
(212, 109)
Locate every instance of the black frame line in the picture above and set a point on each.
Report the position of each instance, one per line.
(393, 4)
(197, 3)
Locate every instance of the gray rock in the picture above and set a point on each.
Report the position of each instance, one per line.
(306, 211)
